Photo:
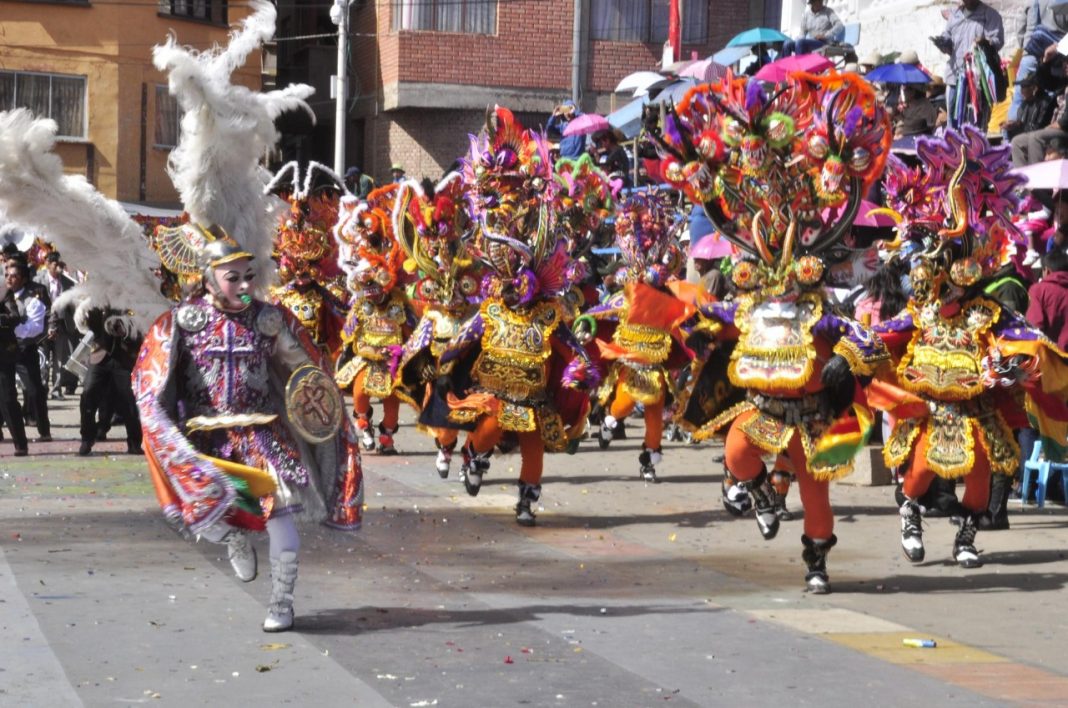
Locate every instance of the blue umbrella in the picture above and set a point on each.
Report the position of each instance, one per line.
(628, 118)
(757, 35)
(730, 55)
(898, 74)
(674, 92)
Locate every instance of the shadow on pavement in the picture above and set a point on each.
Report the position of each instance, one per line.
(967, 581)
(351, 620)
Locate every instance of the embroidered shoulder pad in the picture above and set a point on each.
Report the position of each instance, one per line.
(269, 322)
(192, 318)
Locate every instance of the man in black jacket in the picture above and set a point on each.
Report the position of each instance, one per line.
(1030, 148)
(62, 333)
(9, 348)
(114, 352)
(29, 333)
(1035, 111)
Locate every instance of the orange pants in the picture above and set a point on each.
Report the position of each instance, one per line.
(361, 403)
(446, 437)
(623, 404)
(743, 459)
(488, 433)
(976, 483)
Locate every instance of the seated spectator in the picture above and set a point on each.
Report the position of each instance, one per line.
(917, 115)
(1048, 308)
(1029, 148)
(1034, 112)
(611, 156)
(819, 25)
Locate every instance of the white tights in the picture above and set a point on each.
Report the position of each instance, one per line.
(282, 532)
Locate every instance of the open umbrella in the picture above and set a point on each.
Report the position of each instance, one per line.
(704, 70)
(585, 124)
(628, 118)
(674, 92)
(638, 81)
(779, 69)
(730, 55)
(1052, 174)
(757, 35)
(898, 74)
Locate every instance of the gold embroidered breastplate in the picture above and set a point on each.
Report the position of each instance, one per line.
(515, 349)
(381, 325)
(775, 349)
(652, 343)
(307, 307)
(445, 329)
(943, 358)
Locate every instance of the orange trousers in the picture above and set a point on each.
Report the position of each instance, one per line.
(623, 404)
(919, 476)
(361, 403)
(488, 433)
(446, 437)
(743, 459)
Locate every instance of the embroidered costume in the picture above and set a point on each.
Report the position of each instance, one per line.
(380, 317)
(525, 364)
(962, 360)
(782, 177)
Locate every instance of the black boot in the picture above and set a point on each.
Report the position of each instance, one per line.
(474, 466)
(764, 504)
(528, 494)
(385, 440)
(996, 517)
(964, 551)
(735, 497)
(815, 557)
(648, 459)
(912, 530)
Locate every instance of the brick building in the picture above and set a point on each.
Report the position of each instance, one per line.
(88, 66)
(424, 71)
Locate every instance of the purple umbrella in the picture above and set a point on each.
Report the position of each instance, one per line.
(586, 124)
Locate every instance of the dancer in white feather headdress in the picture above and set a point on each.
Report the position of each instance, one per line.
(242, 427)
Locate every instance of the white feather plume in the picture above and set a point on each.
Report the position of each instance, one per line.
(93, 232)
(225, 130)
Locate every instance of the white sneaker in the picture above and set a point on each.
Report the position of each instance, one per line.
(443, 462)
(242, 556)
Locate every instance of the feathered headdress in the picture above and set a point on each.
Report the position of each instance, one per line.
(780, 176)
(303, 243)
(510, 191)
(645, 234)
(368, 251)
(955, 211)
(583, 200)
(93, 232)
(430, 229)
(225, 131)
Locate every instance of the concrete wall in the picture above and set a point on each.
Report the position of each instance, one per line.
(110, 45)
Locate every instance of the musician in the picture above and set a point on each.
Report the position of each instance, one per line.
(29, 334)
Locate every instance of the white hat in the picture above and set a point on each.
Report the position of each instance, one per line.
(873, 59)
(1062, 46)
(909, 56)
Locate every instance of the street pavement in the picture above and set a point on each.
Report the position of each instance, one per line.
(625, 594)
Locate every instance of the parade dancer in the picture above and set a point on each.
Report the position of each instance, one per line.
(380, 317)
(429, 230)
(961, 358)
(639, 329)
(311, 286)
(782, 177)
(241, 425)
(528, 372)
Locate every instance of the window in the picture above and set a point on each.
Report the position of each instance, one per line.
(55, 96)
(168, 116)
(207, 10)
(466, 16)
(646, 20)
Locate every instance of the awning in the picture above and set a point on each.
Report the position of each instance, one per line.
(134, 209)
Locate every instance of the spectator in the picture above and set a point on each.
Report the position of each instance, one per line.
(1043, 28)
(611, 156)
(571, 146)
(917, 115)
(398, 173)
(114, 352)
(10, 318)
(1029, 148)
(61, 331)
(970, 26)
(29, 333)
(358, 183)
(1048, 309)
(819, 25)
(869, 62)
(1034, 111)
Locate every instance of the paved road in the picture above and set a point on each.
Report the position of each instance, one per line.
(626, 594)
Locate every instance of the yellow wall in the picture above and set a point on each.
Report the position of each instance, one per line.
(111, 45)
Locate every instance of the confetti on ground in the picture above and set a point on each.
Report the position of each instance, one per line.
(508, 660)
(274, 646)
(672, 537)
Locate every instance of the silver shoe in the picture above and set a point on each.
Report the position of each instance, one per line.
(242, 556)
